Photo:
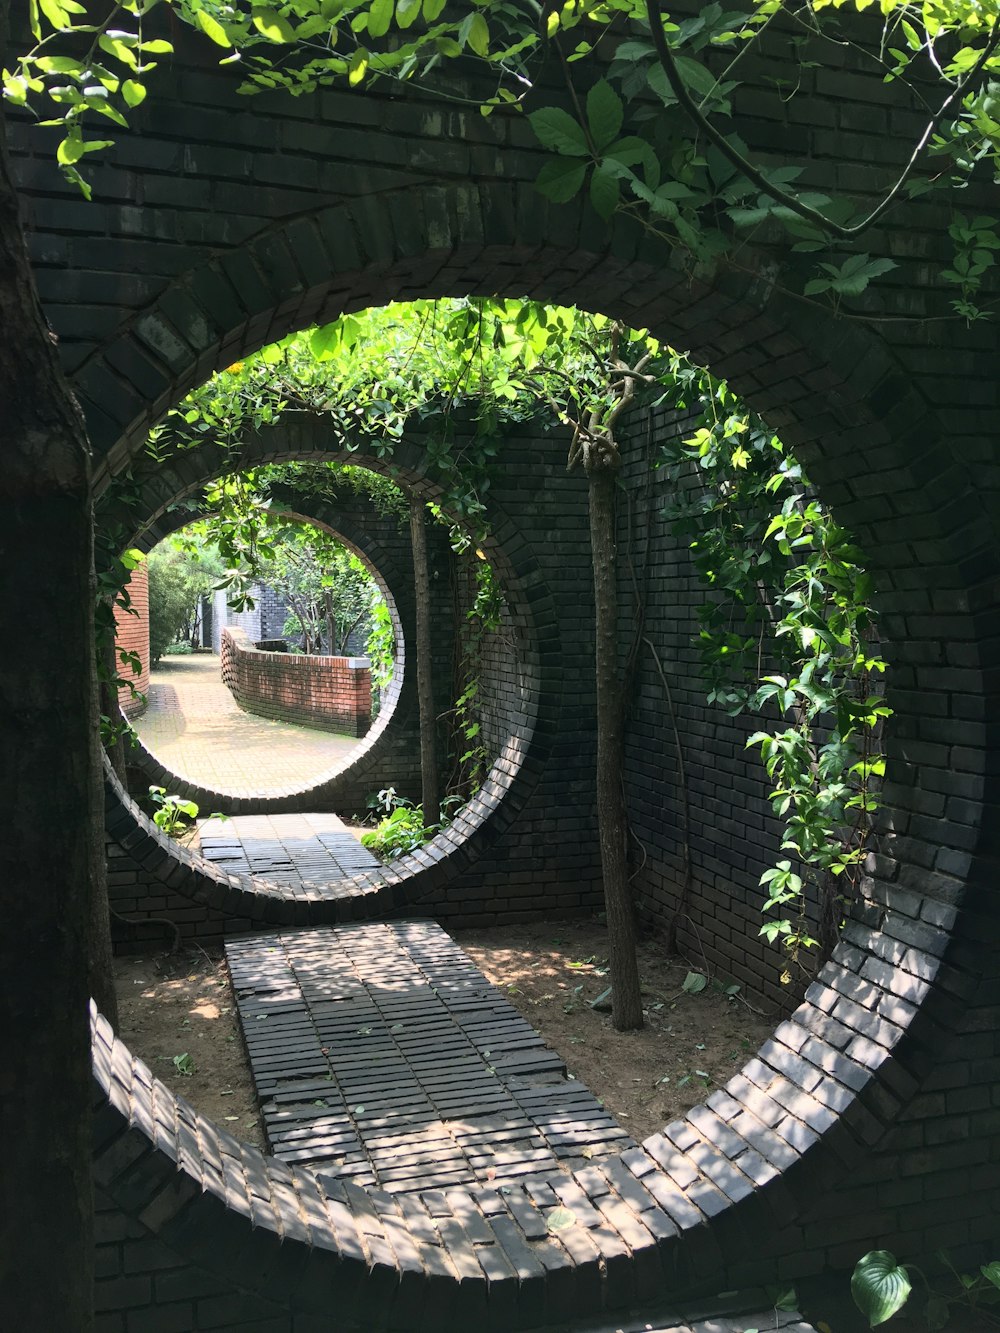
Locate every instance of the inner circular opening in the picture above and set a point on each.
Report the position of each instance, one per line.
(261, 678)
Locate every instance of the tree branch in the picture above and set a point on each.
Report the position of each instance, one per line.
(756, 176)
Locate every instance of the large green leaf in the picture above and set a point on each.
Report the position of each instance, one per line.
(557, 130)
(272, 25)
(380, 17)
(604, 114)
(879, 1286)
(211, 27)
(561, 178)
(604, 192)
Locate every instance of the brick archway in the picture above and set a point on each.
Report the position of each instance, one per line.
(826, 1091)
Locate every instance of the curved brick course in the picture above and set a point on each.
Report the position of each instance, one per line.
(334, 693)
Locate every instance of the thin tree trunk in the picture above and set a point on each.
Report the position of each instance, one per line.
(331, 636)
(612, 825)
(431, 799)
(100, 953)
(50, 805)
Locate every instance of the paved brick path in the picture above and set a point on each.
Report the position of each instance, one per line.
(383, 1058)
(380, 1052)
(195, 728)
(308, 851)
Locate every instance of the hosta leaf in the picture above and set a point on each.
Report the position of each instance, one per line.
(879, 1286)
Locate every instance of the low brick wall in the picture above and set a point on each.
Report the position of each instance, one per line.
(330, 693)
(132, 635)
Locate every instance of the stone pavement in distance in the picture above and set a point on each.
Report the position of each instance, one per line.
(383, 1056)
(196, 729)
(298, 851)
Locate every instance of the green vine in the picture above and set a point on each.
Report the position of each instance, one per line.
(789, 629)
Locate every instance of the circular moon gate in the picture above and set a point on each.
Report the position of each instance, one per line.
(377, 759)
(896, 1019)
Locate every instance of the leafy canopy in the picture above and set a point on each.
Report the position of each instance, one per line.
(654, 137)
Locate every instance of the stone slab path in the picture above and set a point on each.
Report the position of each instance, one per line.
(195, 728)
(381, 1054)
(298, 851)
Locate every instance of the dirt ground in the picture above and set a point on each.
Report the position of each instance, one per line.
(177, 1014)
(693, 1040)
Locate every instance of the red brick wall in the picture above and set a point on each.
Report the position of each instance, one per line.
(325, 692)
(132, 634)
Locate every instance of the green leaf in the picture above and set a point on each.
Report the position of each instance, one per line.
(991, 1272)
(604, 192)
(358, 67)
(879, 1286)
(474, 33)
(70, 150)
(433, 9)
(557, 130)
(694, 983)
(158, 47)
(560, 1219)
(561, 178)
(380, 17)
(407, 13)
(133, 92)
(270, 24)
(212, 28)
(604, 114)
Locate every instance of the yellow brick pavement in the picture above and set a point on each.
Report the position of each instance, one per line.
(195, 728)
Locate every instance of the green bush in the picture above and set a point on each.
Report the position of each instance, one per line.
(400, 832)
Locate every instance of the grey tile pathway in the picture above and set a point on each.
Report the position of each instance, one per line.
(297, 851)
(383, 1055)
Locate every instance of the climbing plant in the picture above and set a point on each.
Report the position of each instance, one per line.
(787, 628)
(656, 138)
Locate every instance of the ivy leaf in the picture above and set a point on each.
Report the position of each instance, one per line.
(879, 1286)
(604, 114)
(557, 129)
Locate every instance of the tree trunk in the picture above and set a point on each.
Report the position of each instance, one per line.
(330, 630)
(612, 826)
(49, 802)
(430, 797)
(100, 957)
